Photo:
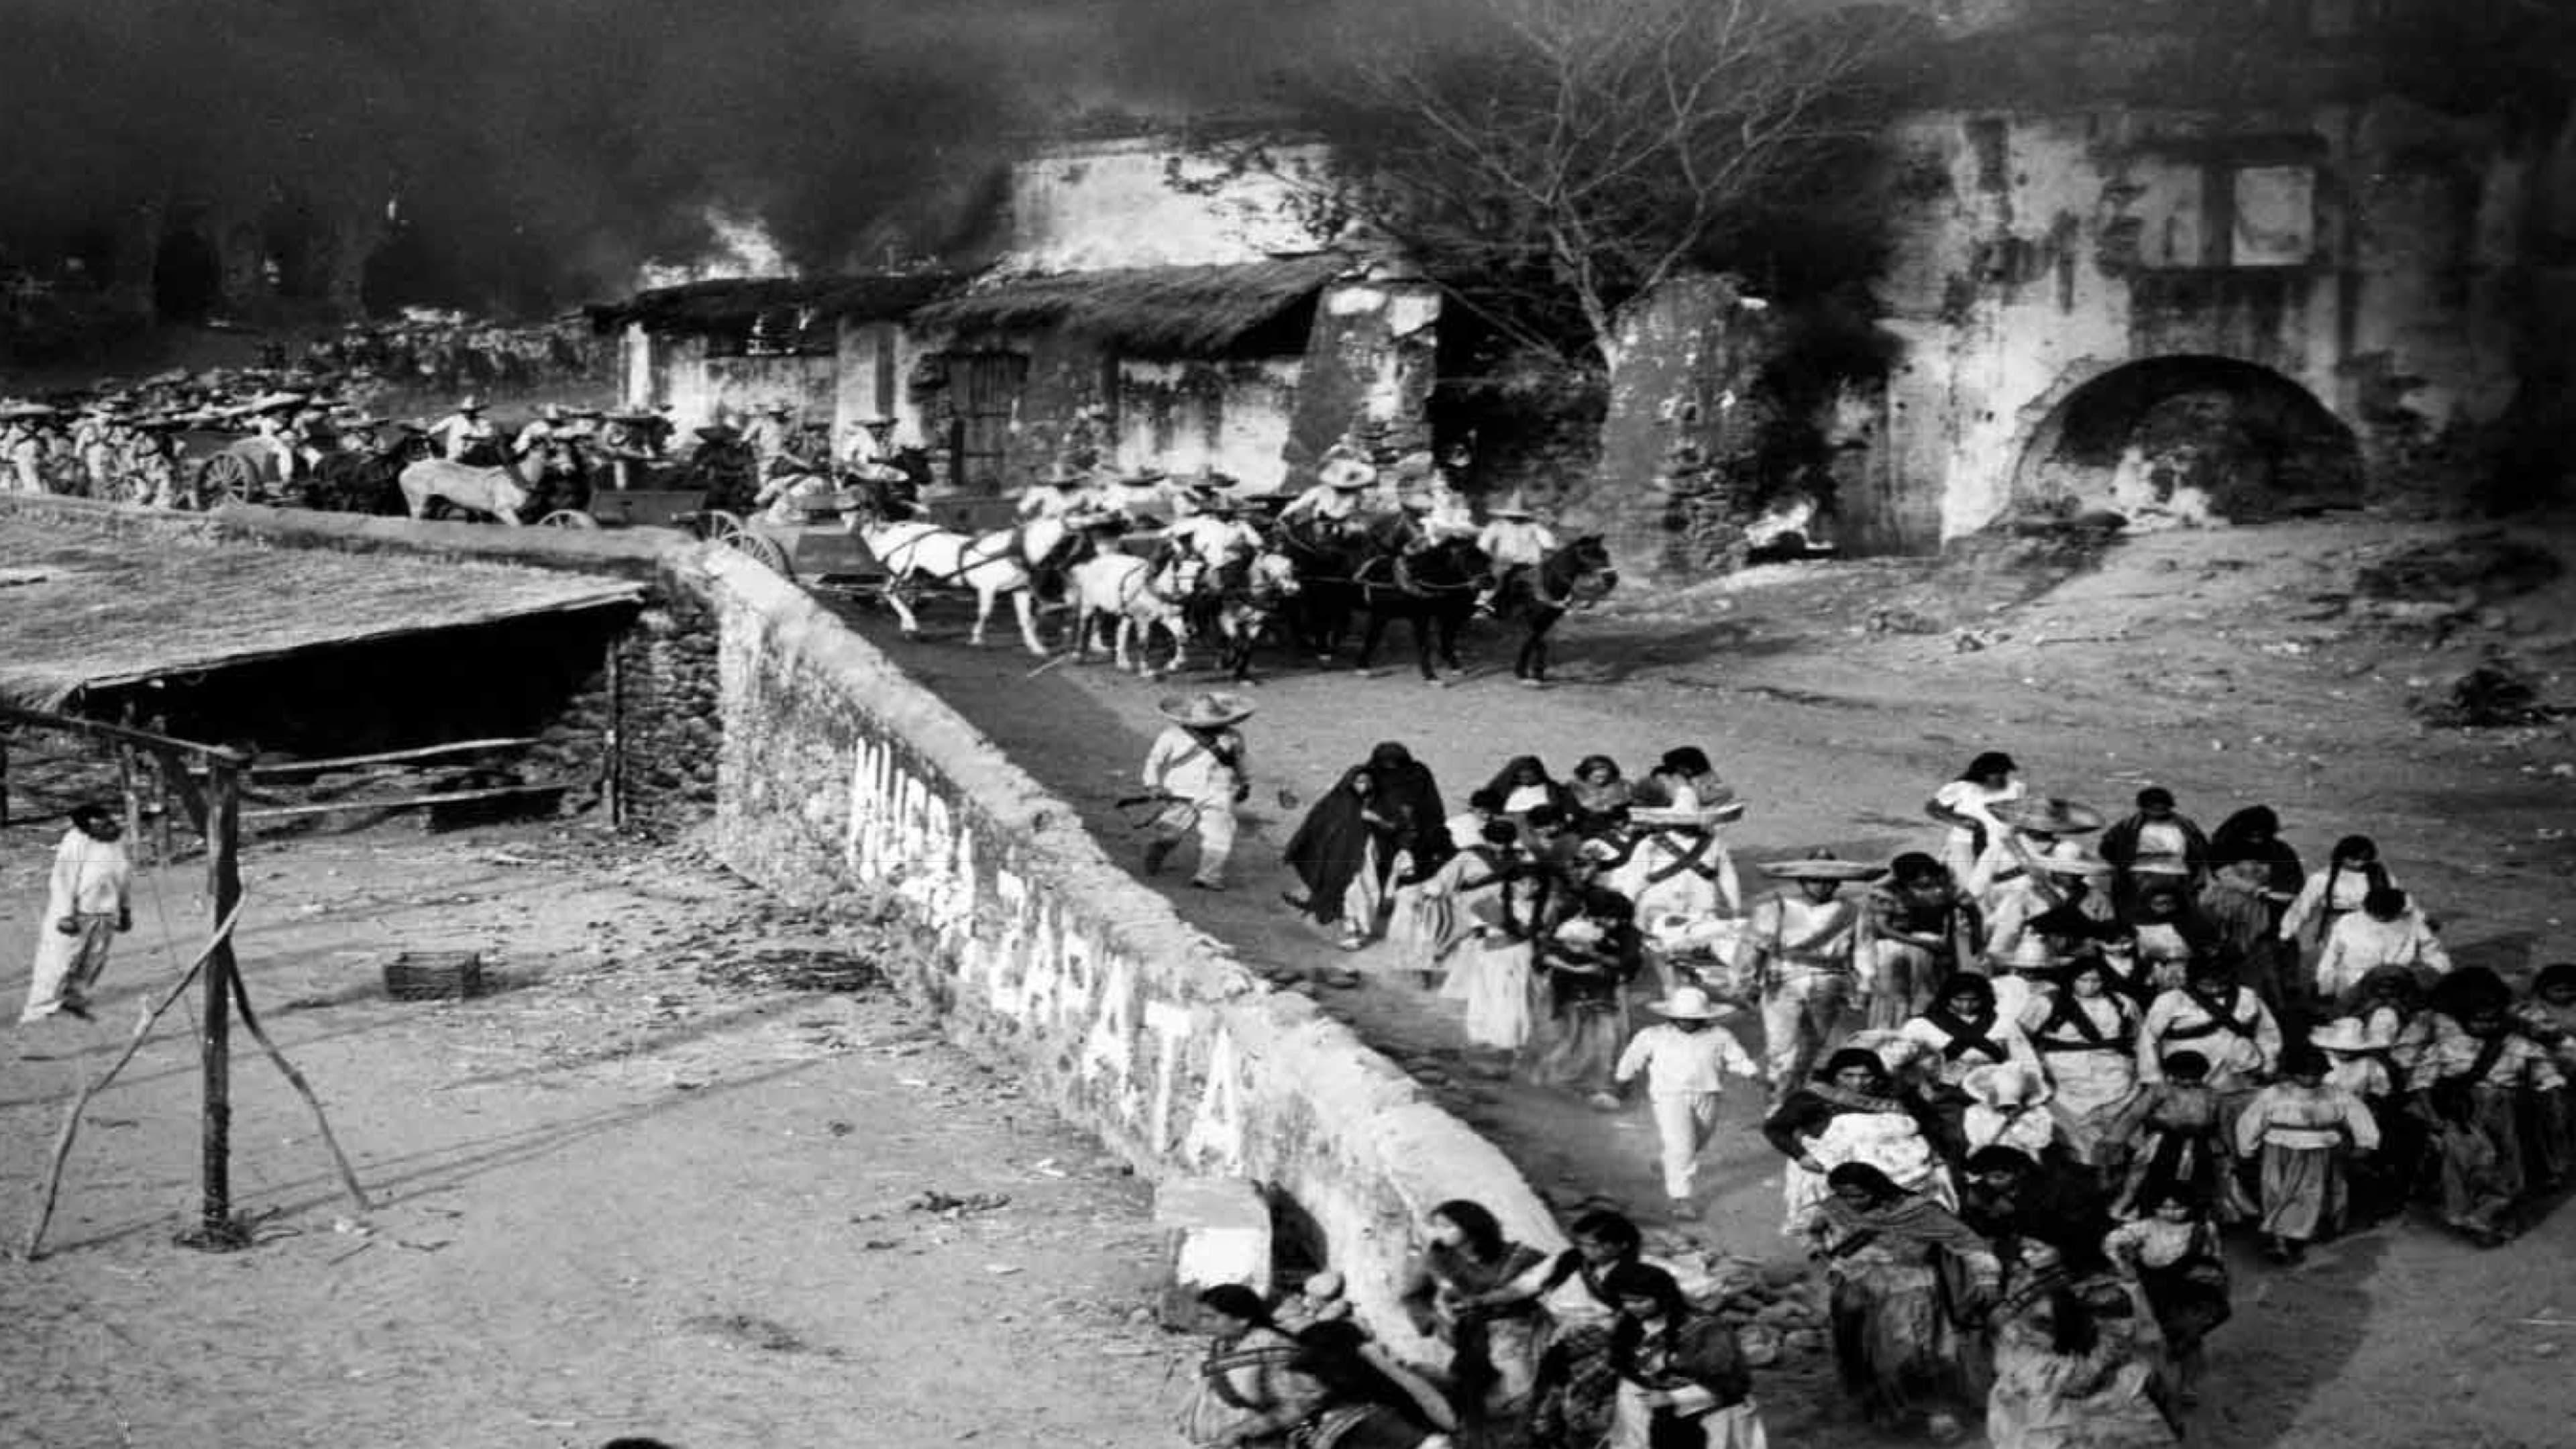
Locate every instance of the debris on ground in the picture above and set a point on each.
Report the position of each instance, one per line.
(2494, 694)
(2466, 571)
(794, 969)
(952, 1205)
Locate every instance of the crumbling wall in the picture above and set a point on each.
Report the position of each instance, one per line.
(1678, 480)
(1231, 416)
(1370, 364)
(844, 782)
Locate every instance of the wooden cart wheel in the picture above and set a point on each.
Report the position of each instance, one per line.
(229, 475)
(729, 530)
(572, 518)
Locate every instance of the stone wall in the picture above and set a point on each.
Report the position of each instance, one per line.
(843, 781)
(1370, 364)
(1085, 206)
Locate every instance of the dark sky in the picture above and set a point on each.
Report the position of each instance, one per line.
(558, 143)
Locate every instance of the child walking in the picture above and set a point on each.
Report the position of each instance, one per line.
(1684, 1059)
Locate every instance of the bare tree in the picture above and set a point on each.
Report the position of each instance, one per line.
(1549, 160)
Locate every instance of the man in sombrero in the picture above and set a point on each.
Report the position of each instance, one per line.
(1334, 500)
(1685, 1060)
(1801, 952)
(1515, 541)
(2031, 827)
(1196, 767)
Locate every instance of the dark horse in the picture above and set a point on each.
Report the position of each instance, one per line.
(1575, 576)
(1433, 589)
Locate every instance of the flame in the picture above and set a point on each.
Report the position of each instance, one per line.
(743, 247)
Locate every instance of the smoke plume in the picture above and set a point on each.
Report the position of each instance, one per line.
(535, 152)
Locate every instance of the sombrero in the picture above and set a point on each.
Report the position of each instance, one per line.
(15, 411)
(1690, 1003)
(1822, 865)
(2068, 857)
(1141, 477)
(881, 420)
(719, 432)
(2343, 1034)
(1515, 506)
(469, 404)
(1668, 817)
(270, 402)
(1209, 709)
(1059, 475)
(2050, 816)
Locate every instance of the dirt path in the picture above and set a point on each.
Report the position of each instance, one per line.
(619, 1196)
(2205, 662)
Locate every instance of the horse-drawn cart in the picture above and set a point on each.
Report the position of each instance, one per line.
(819, 553)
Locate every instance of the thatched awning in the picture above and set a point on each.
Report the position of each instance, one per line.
(83, 611)
(1163, 311)
(732, 305)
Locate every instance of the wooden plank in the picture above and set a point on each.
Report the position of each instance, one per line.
(409, 802)
(223, 882)
(426, 752)
(97, 730)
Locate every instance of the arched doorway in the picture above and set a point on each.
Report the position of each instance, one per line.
(2189, 438)
(187, 279)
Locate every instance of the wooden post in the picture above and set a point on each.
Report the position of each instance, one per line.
(4, 782)
(223, 882)
(615, 744)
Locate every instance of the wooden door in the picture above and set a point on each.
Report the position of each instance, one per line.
(987, 388)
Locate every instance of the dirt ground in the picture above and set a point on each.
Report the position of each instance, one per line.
(2272, 665)
(647, 1186)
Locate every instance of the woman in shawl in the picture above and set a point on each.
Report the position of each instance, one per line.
(1850, 1113)
(1473, 1289)
(1909, 1282)
(1525, 785)
(1684, 780)
(2175, 1257)
(2254, 833)
(1585, 964)
(2175, 1141)
(1454, 900)
(1599, 797)
(1381, 816)
(1923, 930)
(2061, 1381)
(2086, 1038)
(1572, 1398)
(1682, 1379)
(1249, 1390)
(1369, 1401)
(2303, 1129)
(1505, 927)
(2480, 1088)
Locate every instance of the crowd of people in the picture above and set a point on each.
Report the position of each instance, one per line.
(2025, 1082)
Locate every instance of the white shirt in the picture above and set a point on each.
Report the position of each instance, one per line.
(458, 432)
(1509, 541)
(2357, 944)
(1680, 1063)
(1049, 500)
(1324, 501)
(91, 877)
(1181, 766)
(1211, 537)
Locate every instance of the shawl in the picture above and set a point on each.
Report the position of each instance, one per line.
(2229, 842)
(1911, 1220)
(1327, 850)
(1966, 1036)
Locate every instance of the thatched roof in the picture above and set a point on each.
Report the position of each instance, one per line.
(1164, 311)
(732, 305)
(84, 610)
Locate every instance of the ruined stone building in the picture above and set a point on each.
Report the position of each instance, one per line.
(2179, 256)
(1132, 322)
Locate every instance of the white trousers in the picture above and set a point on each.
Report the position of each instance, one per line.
(1683, 1124)
(67, 966)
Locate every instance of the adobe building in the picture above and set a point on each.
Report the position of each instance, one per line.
(2223, 257)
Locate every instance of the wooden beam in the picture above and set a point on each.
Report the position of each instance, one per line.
(426, 752)
(99, 730)
(223, 882)
(614, 746)
(408, 802)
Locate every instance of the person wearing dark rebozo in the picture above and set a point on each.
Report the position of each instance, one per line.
(1379, 826)
(1910, 1285)
(1249, 1389)
(1196, 770)
(2064, 1380)
(2486, 1092)
(1370, 1401)
(1585, 963)
(1682, 1379)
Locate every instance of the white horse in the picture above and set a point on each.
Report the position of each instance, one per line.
(912, 551)
(1121, 586)
(1248, 603)
(501, 491)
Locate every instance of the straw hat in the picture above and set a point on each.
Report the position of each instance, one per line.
(2004, 1084)
(1347, 475)
(1821, 864)
(1690, 1003)
(470, 403)
(2068, 857)
(2343, 1034)
(1059, 475)
(1515, 506)
(2050, 815)
(271, 402)
(1206, 710)
(1146, 477)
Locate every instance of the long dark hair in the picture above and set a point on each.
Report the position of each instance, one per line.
(1481, 1229)
(1330, 1353)
(2074, 1330)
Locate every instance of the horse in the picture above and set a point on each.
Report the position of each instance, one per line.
(1575, 576)
(1121, 586)
(1250, 592)
(502, 492)
(1434, 589)
(1327, 556)
(911, 550)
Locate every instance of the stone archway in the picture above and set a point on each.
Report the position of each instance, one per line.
(2186, 439)
(187, 277)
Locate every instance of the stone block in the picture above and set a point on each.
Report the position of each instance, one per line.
(1220, 1232)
